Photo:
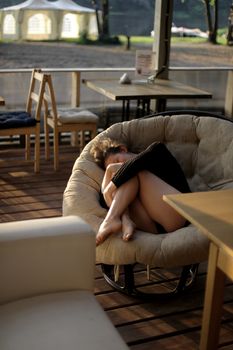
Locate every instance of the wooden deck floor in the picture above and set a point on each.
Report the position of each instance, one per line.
(158, 324)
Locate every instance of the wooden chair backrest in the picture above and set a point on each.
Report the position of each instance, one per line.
(50, 99)
(36, 93)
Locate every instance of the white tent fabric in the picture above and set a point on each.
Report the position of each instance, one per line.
(32, 5)
(46, 20)
(69, 5)
(65, 5)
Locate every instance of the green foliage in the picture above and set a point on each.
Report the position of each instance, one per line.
(136, 39)
(190, 40)
(147, 40)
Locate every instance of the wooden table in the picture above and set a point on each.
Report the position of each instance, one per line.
(2, 101)
(144, 92)
(212, 213)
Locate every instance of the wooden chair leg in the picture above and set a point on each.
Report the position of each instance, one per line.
(56, 150)
(74, 138)
(82, 139)
(93, 132)
(37, 152)
(47, 146)
(27, 147)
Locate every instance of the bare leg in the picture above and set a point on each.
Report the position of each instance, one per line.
(124, 195)
(141, 218)
(152, 189)
(136, 216)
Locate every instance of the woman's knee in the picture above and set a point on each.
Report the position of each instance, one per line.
(144, 175)
(175, 224)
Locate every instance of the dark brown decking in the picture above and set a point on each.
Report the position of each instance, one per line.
(173, 323)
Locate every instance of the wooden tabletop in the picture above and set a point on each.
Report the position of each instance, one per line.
(211, 212)
(137, 90)
(2, 101)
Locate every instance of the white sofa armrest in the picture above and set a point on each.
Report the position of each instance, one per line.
(44, 256)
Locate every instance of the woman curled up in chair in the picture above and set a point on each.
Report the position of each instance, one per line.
(133, 187)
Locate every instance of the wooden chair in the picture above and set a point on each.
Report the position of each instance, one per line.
(65, 120)
(27, 122)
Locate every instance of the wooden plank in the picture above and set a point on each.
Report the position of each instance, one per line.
(31, 192)
(38, 206)
(187, 341)
(167, 327)
(37, 214)
(30, 199)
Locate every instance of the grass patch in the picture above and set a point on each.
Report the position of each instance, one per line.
(134, 40)
(221, 39)
(188, 40)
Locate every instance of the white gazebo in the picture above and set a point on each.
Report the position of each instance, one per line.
(45, 20)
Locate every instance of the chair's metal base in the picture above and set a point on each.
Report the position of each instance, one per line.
(186, 280)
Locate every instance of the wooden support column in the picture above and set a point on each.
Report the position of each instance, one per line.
(161, 45)
(75, 101)
(162, 36)
(75, 95)
(229, 96)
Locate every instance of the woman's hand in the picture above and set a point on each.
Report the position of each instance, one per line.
(113, 168)
(109, 173)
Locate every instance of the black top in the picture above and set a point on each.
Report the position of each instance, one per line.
(158, 160)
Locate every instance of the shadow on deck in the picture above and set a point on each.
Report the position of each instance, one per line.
(174, 323)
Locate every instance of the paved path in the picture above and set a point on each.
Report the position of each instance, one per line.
(60, 55)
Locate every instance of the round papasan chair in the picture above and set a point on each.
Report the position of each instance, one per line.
(203, 146)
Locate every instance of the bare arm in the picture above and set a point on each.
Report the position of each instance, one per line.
(108, 188)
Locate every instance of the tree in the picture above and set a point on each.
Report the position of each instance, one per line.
(211, 10)
(103, 23)
(212, 19)
(95, 5)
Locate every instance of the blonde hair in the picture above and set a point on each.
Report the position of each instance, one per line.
(101, 149)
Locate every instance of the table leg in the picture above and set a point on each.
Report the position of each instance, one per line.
(213, 302)
(125, 110)
(143, 108)
(161, 105)
(148, 107)
(138, 109)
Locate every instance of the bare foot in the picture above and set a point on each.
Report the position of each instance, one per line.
(109, 226)
(128, 227)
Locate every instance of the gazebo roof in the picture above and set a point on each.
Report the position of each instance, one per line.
(31, 4)
(65, 5)
(71, 6)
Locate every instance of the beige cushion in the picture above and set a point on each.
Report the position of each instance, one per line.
(70, 320)
(204, 148)
(75, 115)
(36, 255)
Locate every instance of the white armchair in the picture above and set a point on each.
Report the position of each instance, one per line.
(46, 288)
